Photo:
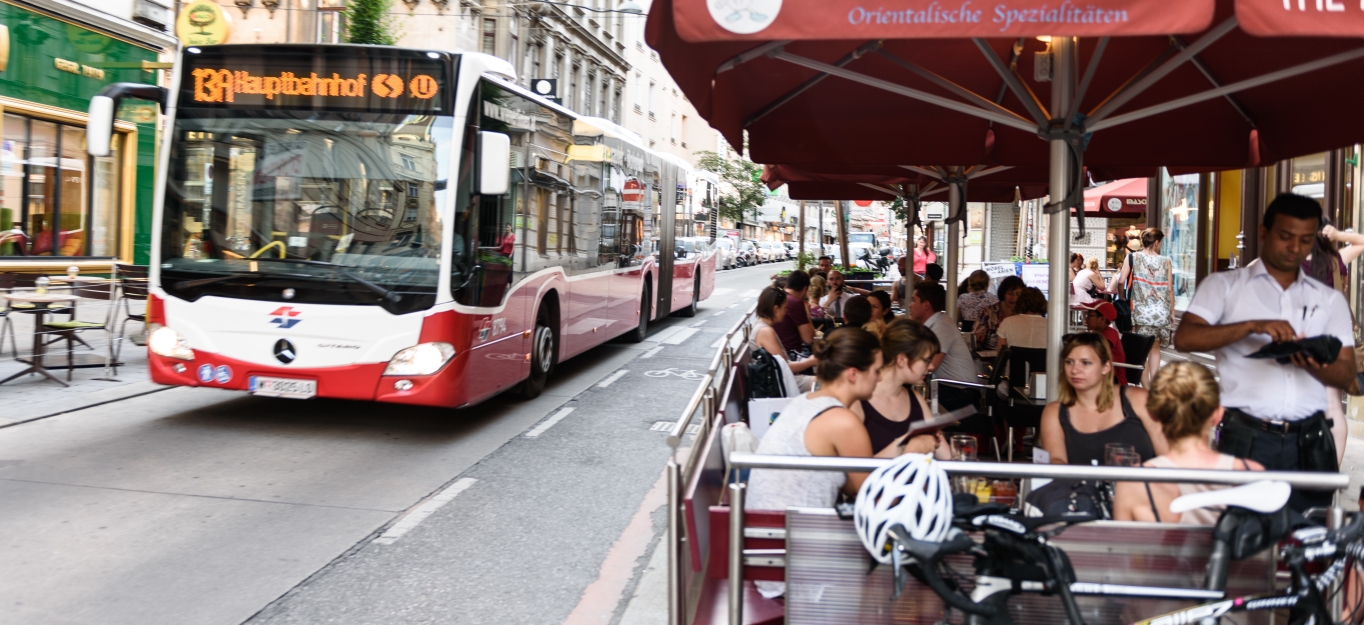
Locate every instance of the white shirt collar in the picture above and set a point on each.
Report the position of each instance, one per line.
(1258, 269)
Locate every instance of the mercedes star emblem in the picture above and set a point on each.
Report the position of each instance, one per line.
(284, 351)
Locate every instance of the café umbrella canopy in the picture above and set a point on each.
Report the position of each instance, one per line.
(1024, 82)
(1120, 197)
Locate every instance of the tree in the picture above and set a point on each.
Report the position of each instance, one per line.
(368, 21)
(741, 191)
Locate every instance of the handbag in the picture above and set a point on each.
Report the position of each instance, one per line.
(1062, 497)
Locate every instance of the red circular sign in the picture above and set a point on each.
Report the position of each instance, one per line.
(633, 191)
(862, 203)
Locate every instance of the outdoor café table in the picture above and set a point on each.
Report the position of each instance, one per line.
(41, 302)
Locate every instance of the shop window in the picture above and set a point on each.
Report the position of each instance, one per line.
(1308, 176)
(1179, 219)
(50, 204)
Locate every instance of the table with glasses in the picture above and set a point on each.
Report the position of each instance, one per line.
(42, 306)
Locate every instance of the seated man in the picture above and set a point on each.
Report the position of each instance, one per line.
(839, 294)
(954, 362)
(795, 329)
(1098, 317)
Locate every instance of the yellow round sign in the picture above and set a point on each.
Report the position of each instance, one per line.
(203, 23)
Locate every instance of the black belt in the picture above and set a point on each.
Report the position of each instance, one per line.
(1271, 425)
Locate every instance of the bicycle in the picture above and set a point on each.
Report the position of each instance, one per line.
(1016, 556)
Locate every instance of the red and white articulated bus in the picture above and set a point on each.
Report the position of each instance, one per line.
(396, 225)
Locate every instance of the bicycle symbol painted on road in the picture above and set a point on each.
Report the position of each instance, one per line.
(685, 374)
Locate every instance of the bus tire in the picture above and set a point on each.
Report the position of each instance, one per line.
(690, 310)
(542, 359)
(641, 331)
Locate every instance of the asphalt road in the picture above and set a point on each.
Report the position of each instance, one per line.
(194, 506)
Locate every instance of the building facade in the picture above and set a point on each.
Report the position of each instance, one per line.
(58, 206)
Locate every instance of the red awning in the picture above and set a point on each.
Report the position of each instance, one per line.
(1218, 99)
(1281, 18)
(764, 20)
(1120, 198)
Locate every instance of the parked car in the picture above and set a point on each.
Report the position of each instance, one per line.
(726, 253)
(775, 251)
(748, 253)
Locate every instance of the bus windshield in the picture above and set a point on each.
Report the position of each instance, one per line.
(358, 190)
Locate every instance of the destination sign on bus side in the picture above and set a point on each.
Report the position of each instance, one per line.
(297, 79)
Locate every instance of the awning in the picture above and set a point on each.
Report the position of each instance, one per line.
(763, 20)
(1120, 198)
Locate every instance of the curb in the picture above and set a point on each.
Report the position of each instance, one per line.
(42, 410)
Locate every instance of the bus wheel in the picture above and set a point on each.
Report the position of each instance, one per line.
(541, 360)
(690, 310)
(641, 331)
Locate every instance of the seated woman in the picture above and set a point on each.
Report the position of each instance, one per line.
(1092, 411)
(857, 313)
(976, 297)
(1184, 400)
(1086, 281)
(771, 310)
(820, 424)
(1027, 328)
(880, 306)
(907, 348)
(989, 318)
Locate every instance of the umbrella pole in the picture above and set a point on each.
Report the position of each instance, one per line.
(800, 238)
(1058, 232)
(955, 201)
(842, 209)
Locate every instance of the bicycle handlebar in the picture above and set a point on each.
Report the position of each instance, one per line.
(928, 555)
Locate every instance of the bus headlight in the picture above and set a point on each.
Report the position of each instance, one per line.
(423, 359)
(164, 341)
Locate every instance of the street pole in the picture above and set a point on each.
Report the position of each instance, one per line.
(821, 227)
(800, 245)
(1058, 235)
(843, 209)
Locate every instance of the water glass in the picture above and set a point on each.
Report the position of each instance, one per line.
(1125, 459)
(963, 447)
(1111, 450)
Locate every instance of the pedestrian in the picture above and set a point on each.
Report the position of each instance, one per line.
(954, 362)
(922, 255)
(1275, 413)
(1151, 294)
(508, 241)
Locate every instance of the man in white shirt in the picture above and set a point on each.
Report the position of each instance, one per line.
(1275, 413)
(838, 296)
(954, 362)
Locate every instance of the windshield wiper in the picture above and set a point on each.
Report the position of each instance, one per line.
(190, 284)
(341, 269)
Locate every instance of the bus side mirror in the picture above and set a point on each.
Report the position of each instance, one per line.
(100, 129)
(494, 163)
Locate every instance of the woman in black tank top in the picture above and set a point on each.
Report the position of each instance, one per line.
(906, 347)
(1093, 412)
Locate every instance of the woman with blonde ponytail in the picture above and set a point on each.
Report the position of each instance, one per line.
(1184, 399)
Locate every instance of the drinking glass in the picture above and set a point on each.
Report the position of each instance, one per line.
(1125, 459)
(1112, 449)
(963, 447)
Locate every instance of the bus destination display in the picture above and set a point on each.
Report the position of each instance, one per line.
(366, 82)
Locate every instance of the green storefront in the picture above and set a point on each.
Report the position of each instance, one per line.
(58, 206)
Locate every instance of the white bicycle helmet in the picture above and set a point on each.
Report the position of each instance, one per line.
(912, 491)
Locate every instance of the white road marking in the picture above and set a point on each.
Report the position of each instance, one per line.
(721, 291)
(419, 514)
(698, 323)
(613, 377)
(718, 342)
(721, 312)
(548, 423)
(680, 336)
(654, 352)
(752, 293)
(658, 338)
(730, 306)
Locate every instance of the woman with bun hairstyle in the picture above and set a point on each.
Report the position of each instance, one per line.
(1184, 400)
(907, 349)
(820, 424)
(1092, 411)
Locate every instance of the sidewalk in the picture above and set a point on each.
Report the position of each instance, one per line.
(34, 396)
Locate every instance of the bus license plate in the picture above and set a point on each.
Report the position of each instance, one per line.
(283, 387)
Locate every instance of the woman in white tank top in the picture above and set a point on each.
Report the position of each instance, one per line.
(1184, 400)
